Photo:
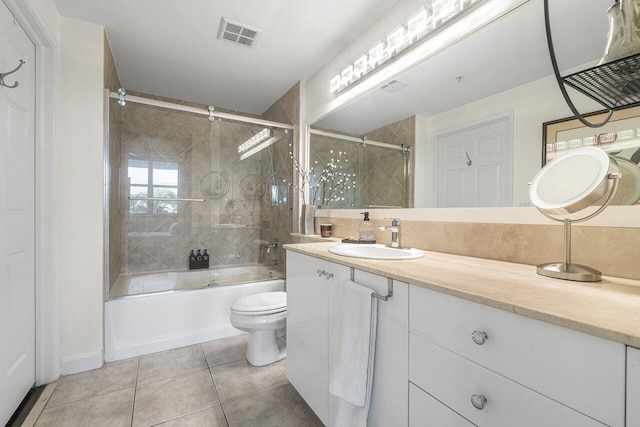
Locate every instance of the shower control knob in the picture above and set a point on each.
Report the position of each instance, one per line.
(478, 401)
(479, 337)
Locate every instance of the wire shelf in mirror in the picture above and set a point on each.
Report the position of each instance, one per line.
(614, 85)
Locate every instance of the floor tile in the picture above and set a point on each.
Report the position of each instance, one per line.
(277, 407)
(212, 417)
(111, 377)
(108, 410)
(172, 398)
(226, 350)
(171, 363)
(239, 378)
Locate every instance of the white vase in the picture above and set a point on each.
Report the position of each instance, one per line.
(307, 220)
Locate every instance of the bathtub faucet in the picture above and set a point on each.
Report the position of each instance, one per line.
(273, 245)
(265, 248)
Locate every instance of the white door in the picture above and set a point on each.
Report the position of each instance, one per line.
(473, 165)
(17, 192)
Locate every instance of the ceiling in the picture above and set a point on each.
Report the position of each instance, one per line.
(507, 53)
(170, 48)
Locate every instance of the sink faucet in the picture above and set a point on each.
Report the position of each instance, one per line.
(395, 232)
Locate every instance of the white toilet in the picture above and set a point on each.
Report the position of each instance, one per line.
(264, 316)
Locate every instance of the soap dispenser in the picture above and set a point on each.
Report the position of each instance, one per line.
(366, 230)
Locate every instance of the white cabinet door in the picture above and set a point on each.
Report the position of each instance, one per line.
(389, 395)
(633, 387)
(307, 330)
(308, 282)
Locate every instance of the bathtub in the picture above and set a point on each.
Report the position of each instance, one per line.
(181, 280)
(165, 310)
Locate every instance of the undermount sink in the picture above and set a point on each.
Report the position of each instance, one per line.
(375, 251)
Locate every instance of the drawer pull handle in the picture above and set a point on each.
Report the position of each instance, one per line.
(478, 401)
(479, 337)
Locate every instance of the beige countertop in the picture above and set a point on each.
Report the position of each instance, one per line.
(608, 309)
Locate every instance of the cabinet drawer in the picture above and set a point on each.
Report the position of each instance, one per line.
(582, 371)
(453, 380)
(425, 411)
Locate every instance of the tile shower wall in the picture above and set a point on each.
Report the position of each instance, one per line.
(385, 183)
(278, 221)
(112, 82)
(191, 157)
(380, 172)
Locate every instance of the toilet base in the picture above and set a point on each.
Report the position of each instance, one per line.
(265, 347)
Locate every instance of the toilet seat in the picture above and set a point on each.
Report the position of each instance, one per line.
(260, 304)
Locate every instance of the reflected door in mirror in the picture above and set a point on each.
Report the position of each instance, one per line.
(473, 165)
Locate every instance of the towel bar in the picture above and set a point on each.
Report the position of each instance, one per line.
(374, 294)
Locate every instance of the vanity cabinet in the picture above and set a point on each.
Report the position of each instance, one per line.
(308, 281)
(633, 387)
(497, 368)
(312, 302)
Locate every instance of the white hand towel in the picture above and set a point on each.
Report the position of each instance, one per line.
(351, 376)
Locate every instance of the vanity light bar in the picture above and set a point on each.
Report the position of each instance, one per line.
(254, 140)
(422, 23)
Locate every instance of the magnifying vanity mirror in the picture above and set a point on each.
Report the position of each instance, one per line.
(464, 128)
(574, 181)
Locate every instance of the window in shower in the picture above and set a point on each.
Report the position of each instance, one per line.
(153, 179)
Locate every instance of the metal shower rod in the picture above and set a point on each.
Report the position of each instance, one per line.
(201, 111)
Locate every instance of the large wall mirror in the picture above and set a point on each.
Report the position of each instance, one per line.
(465, 127)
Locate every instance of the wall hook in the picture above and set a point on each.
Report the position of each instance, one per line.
(469, 162)
(3, 75)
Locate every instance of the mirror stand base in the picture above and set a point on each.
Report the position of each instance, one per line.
(575, 272)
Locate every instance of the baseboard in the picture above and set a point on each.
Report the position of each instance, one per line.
(81, 363)
(118, 351)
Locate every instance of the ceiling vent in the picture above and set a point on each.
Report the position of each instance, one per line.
(393, 86)
(237, 33)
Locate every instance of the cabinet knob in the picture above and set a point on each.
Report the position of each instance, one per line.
(479, 337)
(478, 401)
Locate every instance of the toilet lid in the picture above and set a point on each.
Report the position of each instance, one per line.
(268, 301)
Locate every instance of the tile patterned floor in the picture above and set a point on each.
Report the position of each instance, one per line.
(208, 384)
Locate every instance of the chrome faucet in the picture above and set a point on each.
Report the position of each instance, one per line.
(395, 232)
(265, 248)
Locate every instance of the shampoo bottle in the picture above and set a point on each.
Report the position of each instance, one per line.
(366, 230)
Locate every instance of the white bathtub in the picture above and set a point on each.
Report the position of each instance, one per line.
(146, 283)
(148, 323)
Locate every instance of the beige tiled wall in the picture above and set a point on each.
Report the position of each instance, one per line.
(380, 171)
(608, 249)
(385, 182)
(229, 223)
(278, 221)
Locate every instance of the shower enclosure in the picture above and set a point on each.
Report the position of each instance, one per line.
(355, 172)
(178, 184)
